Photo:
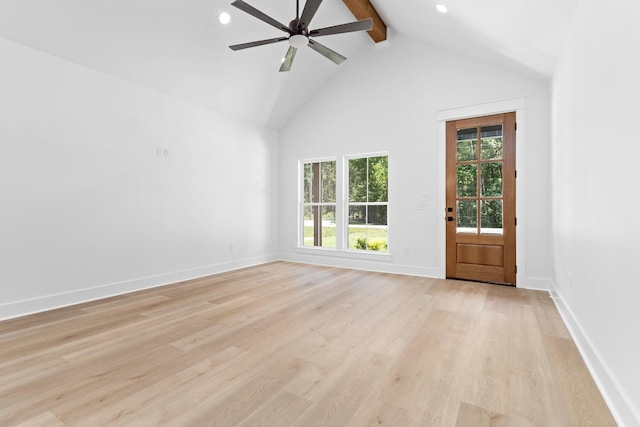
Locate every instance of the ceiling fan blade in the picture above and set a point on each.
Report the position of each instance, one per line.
(326, 52)
(257, 43)
(261, 16)
(310, 9)
(361, 25)
(287, 61)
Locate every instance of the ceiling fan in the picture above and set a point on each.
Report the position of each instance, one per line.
(298, 32)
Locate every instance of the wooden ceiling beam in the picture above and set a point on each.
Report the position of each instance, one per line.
(363, 9)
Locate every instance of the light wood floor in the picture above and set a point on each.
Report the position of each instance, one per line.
(289, 344)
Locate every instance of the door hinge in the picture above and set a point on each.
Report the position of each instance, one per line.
(516, 269)
(515, 126)
(516, 173)
(516, 221)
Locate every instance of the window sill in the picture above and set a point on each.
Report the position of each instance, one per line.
(369, 255)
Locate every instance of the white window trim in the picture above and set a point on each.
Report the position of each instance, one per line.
(342, 207)
(345, 205)
(340, 253)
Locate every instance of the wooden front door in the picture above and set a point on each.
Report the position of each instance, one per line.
(481, 199)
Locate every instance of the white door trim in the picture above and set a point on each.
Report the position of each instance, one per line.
(519, 106)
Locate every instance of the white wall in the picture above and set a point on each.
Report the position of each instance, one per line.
(595, 151)
(389, 99)
(87, 207)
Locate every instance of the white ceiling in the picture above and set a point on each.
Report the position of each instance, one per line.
(178, 46)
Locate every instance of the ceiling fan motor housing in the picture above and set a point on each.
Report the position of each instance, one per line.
(294, 26)
(299, 36)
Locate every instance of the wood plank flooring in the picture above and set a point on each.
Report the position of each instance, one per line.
(288, 344)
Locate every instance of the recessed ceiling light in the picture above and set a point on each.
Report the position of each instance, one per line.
(224, 18)
(442, 8)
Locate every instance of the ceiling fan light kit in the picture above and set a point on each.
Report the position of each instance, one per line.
(298, 41)
(299, 33)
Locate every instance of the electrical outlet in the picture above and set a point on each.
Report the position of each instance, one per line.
(162, 152)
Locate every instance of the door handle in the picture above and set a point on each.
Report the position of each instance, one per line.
(449, 218)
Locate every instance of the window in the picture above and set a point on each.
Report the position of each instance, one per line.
(368, 200)
(319, 204)
(358, 224)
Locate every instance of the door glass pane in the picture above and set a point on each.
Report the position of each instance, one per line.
(491, 179)
(358, 180)
(357, 227)
(467, 216)
(467, 144)
(491, 217)
(467, 185)
(328, 227)
(491, 142)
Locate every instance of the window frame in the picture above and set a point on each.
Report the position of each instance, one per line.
(302, 204)
(341, 210)
(347, 203)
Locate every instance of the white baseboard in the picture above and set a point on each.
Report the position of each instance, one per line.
(356, 263)
(50, 302)
(333, 259)
(620, 404)
(534, 283)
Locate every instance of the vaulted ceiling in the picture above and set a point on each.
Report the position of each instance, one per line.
(178, 46)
